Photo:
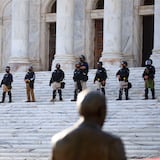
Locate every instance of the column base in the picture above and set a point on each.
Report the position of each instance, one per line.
(155, 58)
(67, 62)
(111, 60)
(19, 64)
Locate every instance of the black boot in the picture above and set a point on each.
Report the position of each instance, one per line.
(126, 93)
(153, 93)
(75, 95)
(120, 95)
(10, 96)
(60, 94)
(146, 93)
(103, 90)
(53, 96)
(3, 97)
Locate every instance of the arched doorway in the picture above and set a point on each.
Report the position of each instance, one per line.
(52, 38)
(148, 33)
(98, 39)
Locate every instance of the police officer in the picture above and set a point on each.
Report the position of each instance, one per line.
(77, 77)
(6, 84)
(122, 76)
(84, 68)
(100, 78)
(29, 80)
(148, 76)
(56, 78)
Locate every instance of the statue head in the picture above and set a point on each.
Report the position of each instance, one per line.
(92, 106)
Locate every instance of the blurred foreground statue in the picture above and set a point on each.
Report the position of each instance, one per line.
(86, 140)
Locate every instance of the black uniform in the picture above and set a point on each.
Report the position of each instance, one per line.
(101, 76)
(84, 68)
(57, 76)
(84, 71)
(123, 75)
(148, 75)
(31, 77)
(7, 82)
(77, 77)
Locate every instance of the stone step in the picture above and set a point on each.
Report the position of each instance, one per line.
(32, 125)
(26, 128)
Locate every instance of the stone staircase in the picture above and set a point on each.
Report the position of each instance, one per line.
(26, 128)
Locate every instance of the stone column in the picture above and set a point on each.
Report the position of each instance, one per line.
(19, 50)
(156, 50)
(64, 34)
(112, 33)
(0, 44)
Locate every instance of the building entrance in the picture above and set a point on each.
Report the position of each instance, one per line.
(148, 30)
(52, 34)
(52, 44)
(98, 41)
(148, 36)
(98, 38)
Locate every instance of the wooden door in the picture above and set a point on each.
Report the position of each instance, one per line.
(98, 41)
(52, 44)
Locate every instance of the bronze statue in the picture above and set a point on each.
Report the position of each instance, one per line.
(86, 140)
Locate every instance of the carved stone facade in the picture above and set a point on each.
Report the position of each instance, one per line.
(44, 32)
